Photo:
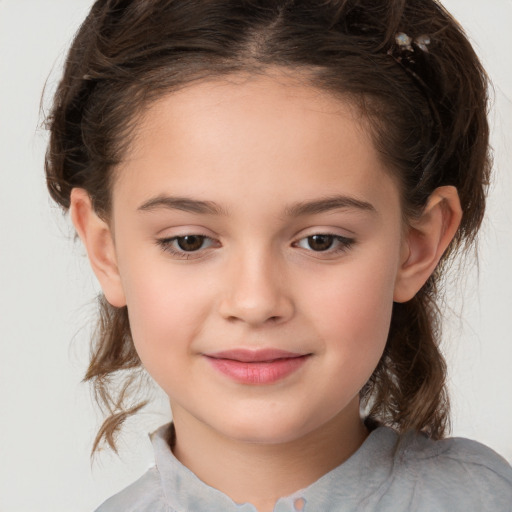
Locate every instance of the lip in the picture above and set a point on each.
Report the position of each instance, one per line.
(256, 367)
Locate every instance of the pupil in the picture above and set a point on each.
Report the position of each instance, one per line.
(190, 243)
(320, 242)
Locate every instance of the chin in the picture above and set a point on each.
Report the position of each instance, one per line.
(261, 430)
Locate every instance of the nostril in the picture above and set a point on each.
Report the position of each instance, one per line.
(233, 319)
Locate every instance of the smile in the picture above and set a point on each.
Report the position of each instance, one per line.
(264, 366)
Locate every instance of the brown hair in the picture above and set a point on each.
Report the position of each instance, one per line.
(425, 103)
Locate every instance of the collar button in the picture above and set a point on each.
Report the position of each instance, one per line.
(299, 504)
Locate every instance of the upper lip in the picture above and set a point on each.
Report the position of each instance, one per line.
(253, 356)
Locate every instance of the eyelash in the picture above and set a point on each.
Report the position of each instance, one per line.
(344, 244)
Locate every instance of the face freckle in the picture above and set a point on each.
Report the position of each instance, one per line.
(257, 332)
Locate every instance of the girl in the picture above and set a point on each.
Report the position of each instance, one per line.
(269, 192)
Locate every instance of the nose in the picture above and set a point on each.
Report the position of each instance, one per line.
(256, 291)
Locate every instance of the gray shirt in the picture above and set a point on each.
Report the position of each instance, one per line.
(388, 473)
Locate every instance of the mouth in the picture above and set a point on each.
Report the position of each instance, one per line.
(256, 367)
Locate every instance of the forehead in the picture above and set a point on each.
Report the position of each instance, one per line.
(247, 135)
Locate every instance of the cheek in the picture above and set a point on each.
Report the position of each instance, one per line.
(352, 309)
(165, 309)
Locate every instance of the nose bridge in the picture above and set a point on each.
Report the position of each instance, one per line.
(256, 290)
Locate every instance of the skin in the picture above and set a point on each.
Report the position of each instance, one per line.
(259, 148)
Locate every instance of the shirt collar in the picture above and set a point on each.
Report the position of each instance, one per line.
(183, 490)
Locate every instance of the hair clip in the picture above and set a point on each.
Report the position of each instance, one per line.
(404, 42)
(422, 42)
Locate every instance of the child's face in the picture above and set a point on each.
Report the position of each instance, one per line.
(251, 170)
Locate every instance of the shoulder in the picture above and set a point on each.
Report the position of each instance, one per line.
(457, 470)
(452, 453)
(143, 495)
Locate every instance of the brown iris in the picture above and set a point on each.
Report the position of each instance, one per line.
(190, 242)
(320, 242)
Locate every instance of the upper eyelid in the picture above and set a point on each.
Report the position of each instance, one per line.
(341, 231)
(184, 230)
(326, 232)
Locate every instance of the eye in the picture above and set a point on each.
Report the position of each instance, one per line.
(324, 242)
(185, 246)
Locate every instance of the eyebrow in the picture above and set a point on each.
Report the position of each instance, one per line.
(299, 209)
(338, 202)
(183, 203)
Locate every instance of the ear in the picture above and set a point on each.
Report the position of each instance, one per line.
(426, 240)
(97, 237)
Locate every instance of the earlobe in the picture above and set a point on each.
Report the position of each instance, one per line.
(98, 241)
(426, 240)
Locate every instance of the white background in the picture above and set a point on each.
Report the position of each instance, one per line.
(47, 419)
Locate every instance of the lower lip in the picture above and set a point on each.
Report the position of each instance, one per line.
(260, 372)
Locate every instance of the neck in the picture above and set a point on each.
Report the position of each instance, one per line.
(280, 469)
